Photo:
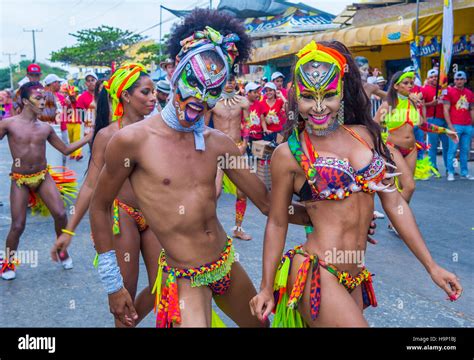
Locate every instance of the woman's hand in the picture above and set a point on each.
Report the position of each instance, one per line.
(121, 306)
(453, 135)
(447, 281)
(262, 304)
(60, 246)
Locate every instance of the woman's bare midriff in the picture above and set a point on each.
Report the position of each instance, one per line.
(340, 230)
(403, 137)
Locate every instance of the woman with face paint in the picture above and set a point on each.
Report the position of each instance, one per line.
(399, 114)
(27, 137)
(174, 160)
(132, 95)
(335, 161)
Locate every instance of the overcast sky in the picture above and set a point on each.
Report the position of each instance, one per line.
(59, 18)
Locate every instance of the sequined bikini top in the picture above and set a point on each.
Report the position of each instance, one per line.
(329, 178)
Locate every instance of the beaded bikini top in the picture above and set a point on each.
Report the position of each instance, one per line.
(329, 178)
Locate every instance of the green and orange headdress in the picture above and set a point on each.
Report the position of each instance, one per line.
(122, 79)
(317, 76)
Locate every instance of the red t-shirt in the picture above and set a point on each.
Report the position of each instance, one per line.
(460, 101)
(417, 90)
(429, 93)
(275, 115)
(86, 102)
(68, 111)
(256, 110)
(284, 92)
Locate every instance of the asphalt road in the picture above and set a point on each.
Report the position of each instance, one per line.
(45, 295)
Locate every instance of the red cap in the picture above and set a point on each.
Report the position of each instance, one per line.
(33, 69)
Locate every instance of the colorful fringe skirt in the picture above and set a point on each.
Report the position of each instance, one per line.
(286, 313)
(134, 213)
(216, 275)
(64, 178)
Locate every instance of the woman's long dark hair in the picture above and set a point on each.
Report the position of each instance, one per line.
(357, 106)
(102, 116)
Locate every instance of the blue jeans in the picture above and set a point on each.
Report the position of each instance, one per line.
(270, 137)
(433, 140)
(465, 135)
(420, 137)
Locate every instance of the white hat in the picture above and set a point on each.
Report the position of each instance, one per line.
(163, 86)
(276, 75)
(48, 80)
(432, 72)
(409, 68)
(251, 86)
(372, 80)
(90, 73)
(380, 79)
(270, 85)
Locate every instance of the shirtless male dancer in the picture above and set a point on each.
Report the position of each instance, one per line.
(27, 137)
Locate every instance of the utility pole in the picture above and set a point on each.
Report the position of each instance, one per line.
(161, 22)
(10, 66)
(33, 31)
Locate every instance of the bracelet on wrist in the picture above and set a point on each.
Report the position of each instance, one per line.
(65, 231)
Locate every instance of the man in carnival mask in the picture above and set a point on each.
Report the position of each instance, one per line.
(171, 160)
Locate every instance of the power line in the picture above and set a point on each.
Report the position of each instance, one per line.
(196, 4)
(120, 3)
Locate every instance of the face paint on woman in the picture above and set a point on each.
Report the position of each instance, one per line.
(199, 86)
(319, 92)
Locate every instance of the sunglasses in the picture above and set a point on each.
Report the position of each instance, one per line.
(459, 79)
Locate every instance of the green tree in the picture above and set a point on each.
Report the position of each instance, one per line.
(19, 72)
(97, 47)
(152, 52)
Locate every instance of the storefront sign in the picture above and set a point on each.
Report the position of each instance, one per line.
(430, 45)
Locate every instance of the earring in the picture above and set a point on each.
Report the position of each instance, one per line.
(340, 114)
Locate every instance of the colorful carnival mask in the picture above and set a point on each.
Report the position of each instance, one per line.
(202, 67)
(318, 73)
(203, 78)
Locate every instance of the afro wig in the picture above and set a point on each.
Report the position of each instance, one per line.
(218, 20)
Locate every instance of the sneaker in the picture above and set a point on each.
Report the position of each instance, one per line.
(8, 269)
(450, 177)
(392, 229)
(467, 177)
(239, 233)
(8, 275)
(379, 215)
(67, 263)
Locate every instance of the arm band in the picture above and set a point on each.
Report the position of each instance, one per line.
(72, 233)
(110, 272)
(428, 127)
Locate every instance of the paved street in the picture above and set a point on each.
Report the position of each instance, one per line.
(47, 296)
